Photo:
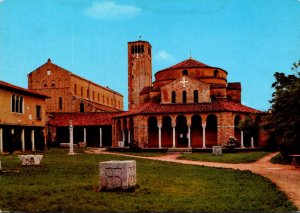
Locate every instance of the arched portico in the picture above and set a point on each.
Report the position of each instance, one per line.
(167, 132)
(152, 132)
(211, 130)
(196, 131)
(237, 130)
(181, 131)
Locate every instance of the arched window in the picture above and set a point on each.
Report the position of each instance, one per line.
(184, 96)
(75, 89)
(135, 49)
(184, 72)
(139, 49)
(13, 103)
(142, 50)
(93, 95)
(173, 97)
(196, 96)
(81, 107)
(17, 103)
(21, 104)
(216, 72)
(132, 49)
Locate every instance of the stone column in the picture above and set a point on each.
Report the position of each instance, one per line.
(32, 140)
(23, 139)
(71, 152)
(174, 142)
(128, 136)
(189, 136)
(203, 136)
(123, 136)
(159, 136)
(242, 139)
(1, 140)
(84, 135)
(252, 142)
(100, 134)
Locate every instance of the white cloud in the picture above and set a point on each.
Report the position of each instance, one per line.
(163, 55)
(111, 10)
(1, 1)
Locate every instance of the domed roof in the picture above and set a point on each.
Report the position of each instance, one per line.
(189, 63)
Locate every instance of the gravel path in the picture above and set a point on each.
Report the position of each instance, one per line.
(285, 177)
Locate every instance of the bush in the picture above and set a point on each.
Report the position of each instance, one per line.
(134, 146)
(231, 143)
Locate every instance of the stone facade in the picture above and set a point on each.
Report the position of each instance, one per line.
(71, 93)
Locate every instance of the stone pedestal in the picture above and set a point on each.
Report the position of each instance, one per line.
(81, 144)
(117, 175)
(30, 160)
(217, 150)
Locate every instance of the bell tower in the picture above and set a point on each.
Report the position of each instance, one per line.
(139, 70)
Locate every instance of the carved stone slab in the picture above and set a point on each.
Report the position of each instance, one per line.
(117, 174)
(217, 150)
(30, 160)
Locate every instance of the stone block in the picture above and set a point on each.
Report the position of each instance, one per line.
(217, 150)
(30, 160)
(116, 175)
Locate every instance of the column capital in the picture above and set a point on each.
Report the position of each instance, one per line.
(203, 125)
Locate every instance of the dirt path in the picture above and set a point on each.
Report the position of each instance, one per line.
(284, 176)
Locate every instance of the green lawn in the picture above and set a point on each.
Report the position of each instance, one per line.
(247, 157)
(143, 154)
(278, 159)
(69, 183)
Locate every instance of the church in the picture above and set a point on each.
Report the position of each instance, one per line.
(187, 105)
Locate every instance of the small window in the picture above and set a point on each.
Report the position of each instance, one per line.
(196, 96)
(75, 89)
(48, 72)
(38, 112)
(21, 104)
(173, 97)
(88, 93)
(81, 107)
(53, 85)
(132, 49)
(60, 102)
(45, 85)
(216, 72)
(142, 50)
(184, 72)
(17, 104)
(184, 96)
(13, 103)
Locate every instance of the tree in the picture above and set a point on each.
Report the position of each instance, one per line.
(285, 119)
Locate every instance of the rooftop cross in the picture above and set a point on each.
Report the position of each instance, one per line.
(184, 82)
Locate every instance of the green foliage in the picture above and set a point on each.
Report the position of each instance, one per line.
(278, 159)
(248, 126)
(247, 157)
(285, 121)
(64, 183)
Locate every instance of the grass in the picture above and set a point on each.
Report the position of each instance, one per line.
(278, 159)
(69, 183)
(144, 154)
(247, 157)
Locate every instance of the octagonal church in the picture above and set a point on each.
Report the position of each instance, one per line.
(188, 105)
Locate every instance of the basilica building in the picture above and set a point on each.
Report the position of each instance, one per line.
(188, 105)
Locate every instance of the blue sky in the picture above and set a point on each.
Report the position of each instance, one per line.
(250, 39)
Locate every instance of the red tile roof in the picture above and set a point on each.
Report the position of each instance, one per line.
(82, 119)
(218, 105)
(189, 63)
(21, 90)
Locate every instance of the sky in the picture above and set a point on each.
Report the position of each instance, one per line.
(250, 39)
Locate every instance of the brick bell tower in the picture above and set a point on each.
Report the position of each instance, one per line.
(139, 70)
